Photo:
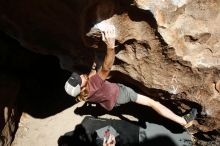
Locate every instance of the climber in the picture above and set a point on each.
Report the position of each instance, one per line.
(96, 89)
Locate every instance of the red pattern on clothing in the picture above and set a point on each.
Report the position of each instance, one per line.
(102, 92)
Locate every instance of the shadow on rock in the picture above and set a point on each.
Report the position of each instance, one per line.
(42, 92)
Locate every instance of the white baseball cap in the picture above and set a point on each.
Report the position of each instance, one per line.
(72, 85)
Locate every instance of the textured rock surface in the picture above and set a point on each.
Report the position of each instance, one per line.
(167, 46)
(191, 27)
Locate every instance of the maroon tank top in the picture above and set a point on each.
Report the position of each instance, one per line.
(102, 92)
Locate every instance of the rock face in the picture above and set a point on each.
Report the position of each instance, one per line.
(170, 47)
(191, 27)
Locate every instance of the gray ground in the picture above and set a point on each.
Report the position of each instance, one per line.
(153, 131)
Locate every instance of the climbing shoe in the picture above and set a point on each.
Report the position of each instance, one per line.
(190, 117)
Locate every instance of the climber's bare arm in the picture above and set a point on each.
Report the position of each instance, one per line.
(108, 36)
